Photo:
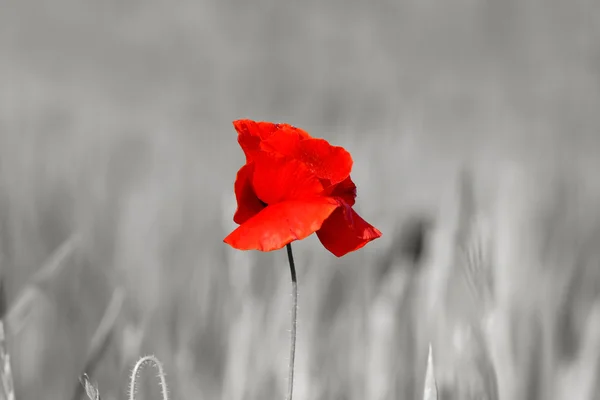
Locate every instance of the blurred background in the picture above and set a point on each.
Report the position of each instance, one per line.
(475, 134)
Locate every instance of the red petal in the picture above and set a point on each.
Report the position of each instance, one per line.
(268, 136)
(282, 223)
(278, 178)
(286, 129)
(324, 160)
(285, 140)
(331, 163)
(345, 231)
(248, 204)
(346, 190)
(248, 136)
(282, 143)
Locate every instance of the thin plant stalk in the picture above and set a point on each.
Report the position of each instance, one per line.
(152, 360)
(294, 319)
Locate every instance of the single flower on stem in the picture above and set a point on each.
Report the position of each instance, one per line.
(294, 185)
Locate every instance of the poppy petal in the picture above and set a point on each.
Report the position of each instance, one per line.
(282, 223)
(286, 129)
(249, 136)
(329, 162)
(345, 231)
(268, 136)
(285, 140)
(346, 190)
(277, 178)
(248, 204)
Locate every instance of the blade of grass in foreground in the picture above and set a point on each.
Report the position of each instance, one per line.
(100, 342)
(7, 392)
(17, 313)
(430, 392)
(91, 390)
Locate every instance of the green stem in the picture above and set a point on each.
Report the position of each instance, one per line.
(294, 312)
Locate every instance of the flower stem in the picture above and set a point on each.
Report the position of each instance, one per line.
(294, 312)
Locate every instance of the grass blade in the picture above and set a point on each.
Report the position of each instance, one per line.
(8, 392)
(430, 392)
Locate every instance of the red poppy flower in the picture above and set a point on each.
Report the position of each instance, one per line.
(292, 186)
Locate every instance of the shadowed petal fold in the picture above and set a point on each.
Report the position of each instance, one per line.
(248, 204)
(346, 190)
(345, 231)
(282, 223)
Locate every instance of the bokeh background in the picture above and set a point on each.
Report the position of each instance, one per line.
(476, 119)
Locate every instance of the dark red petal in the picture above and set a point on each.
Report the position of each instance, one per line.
(324, 160)
(277, 178)
(248, 204)
(282, 223)
(346, 190)
(345, 231)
